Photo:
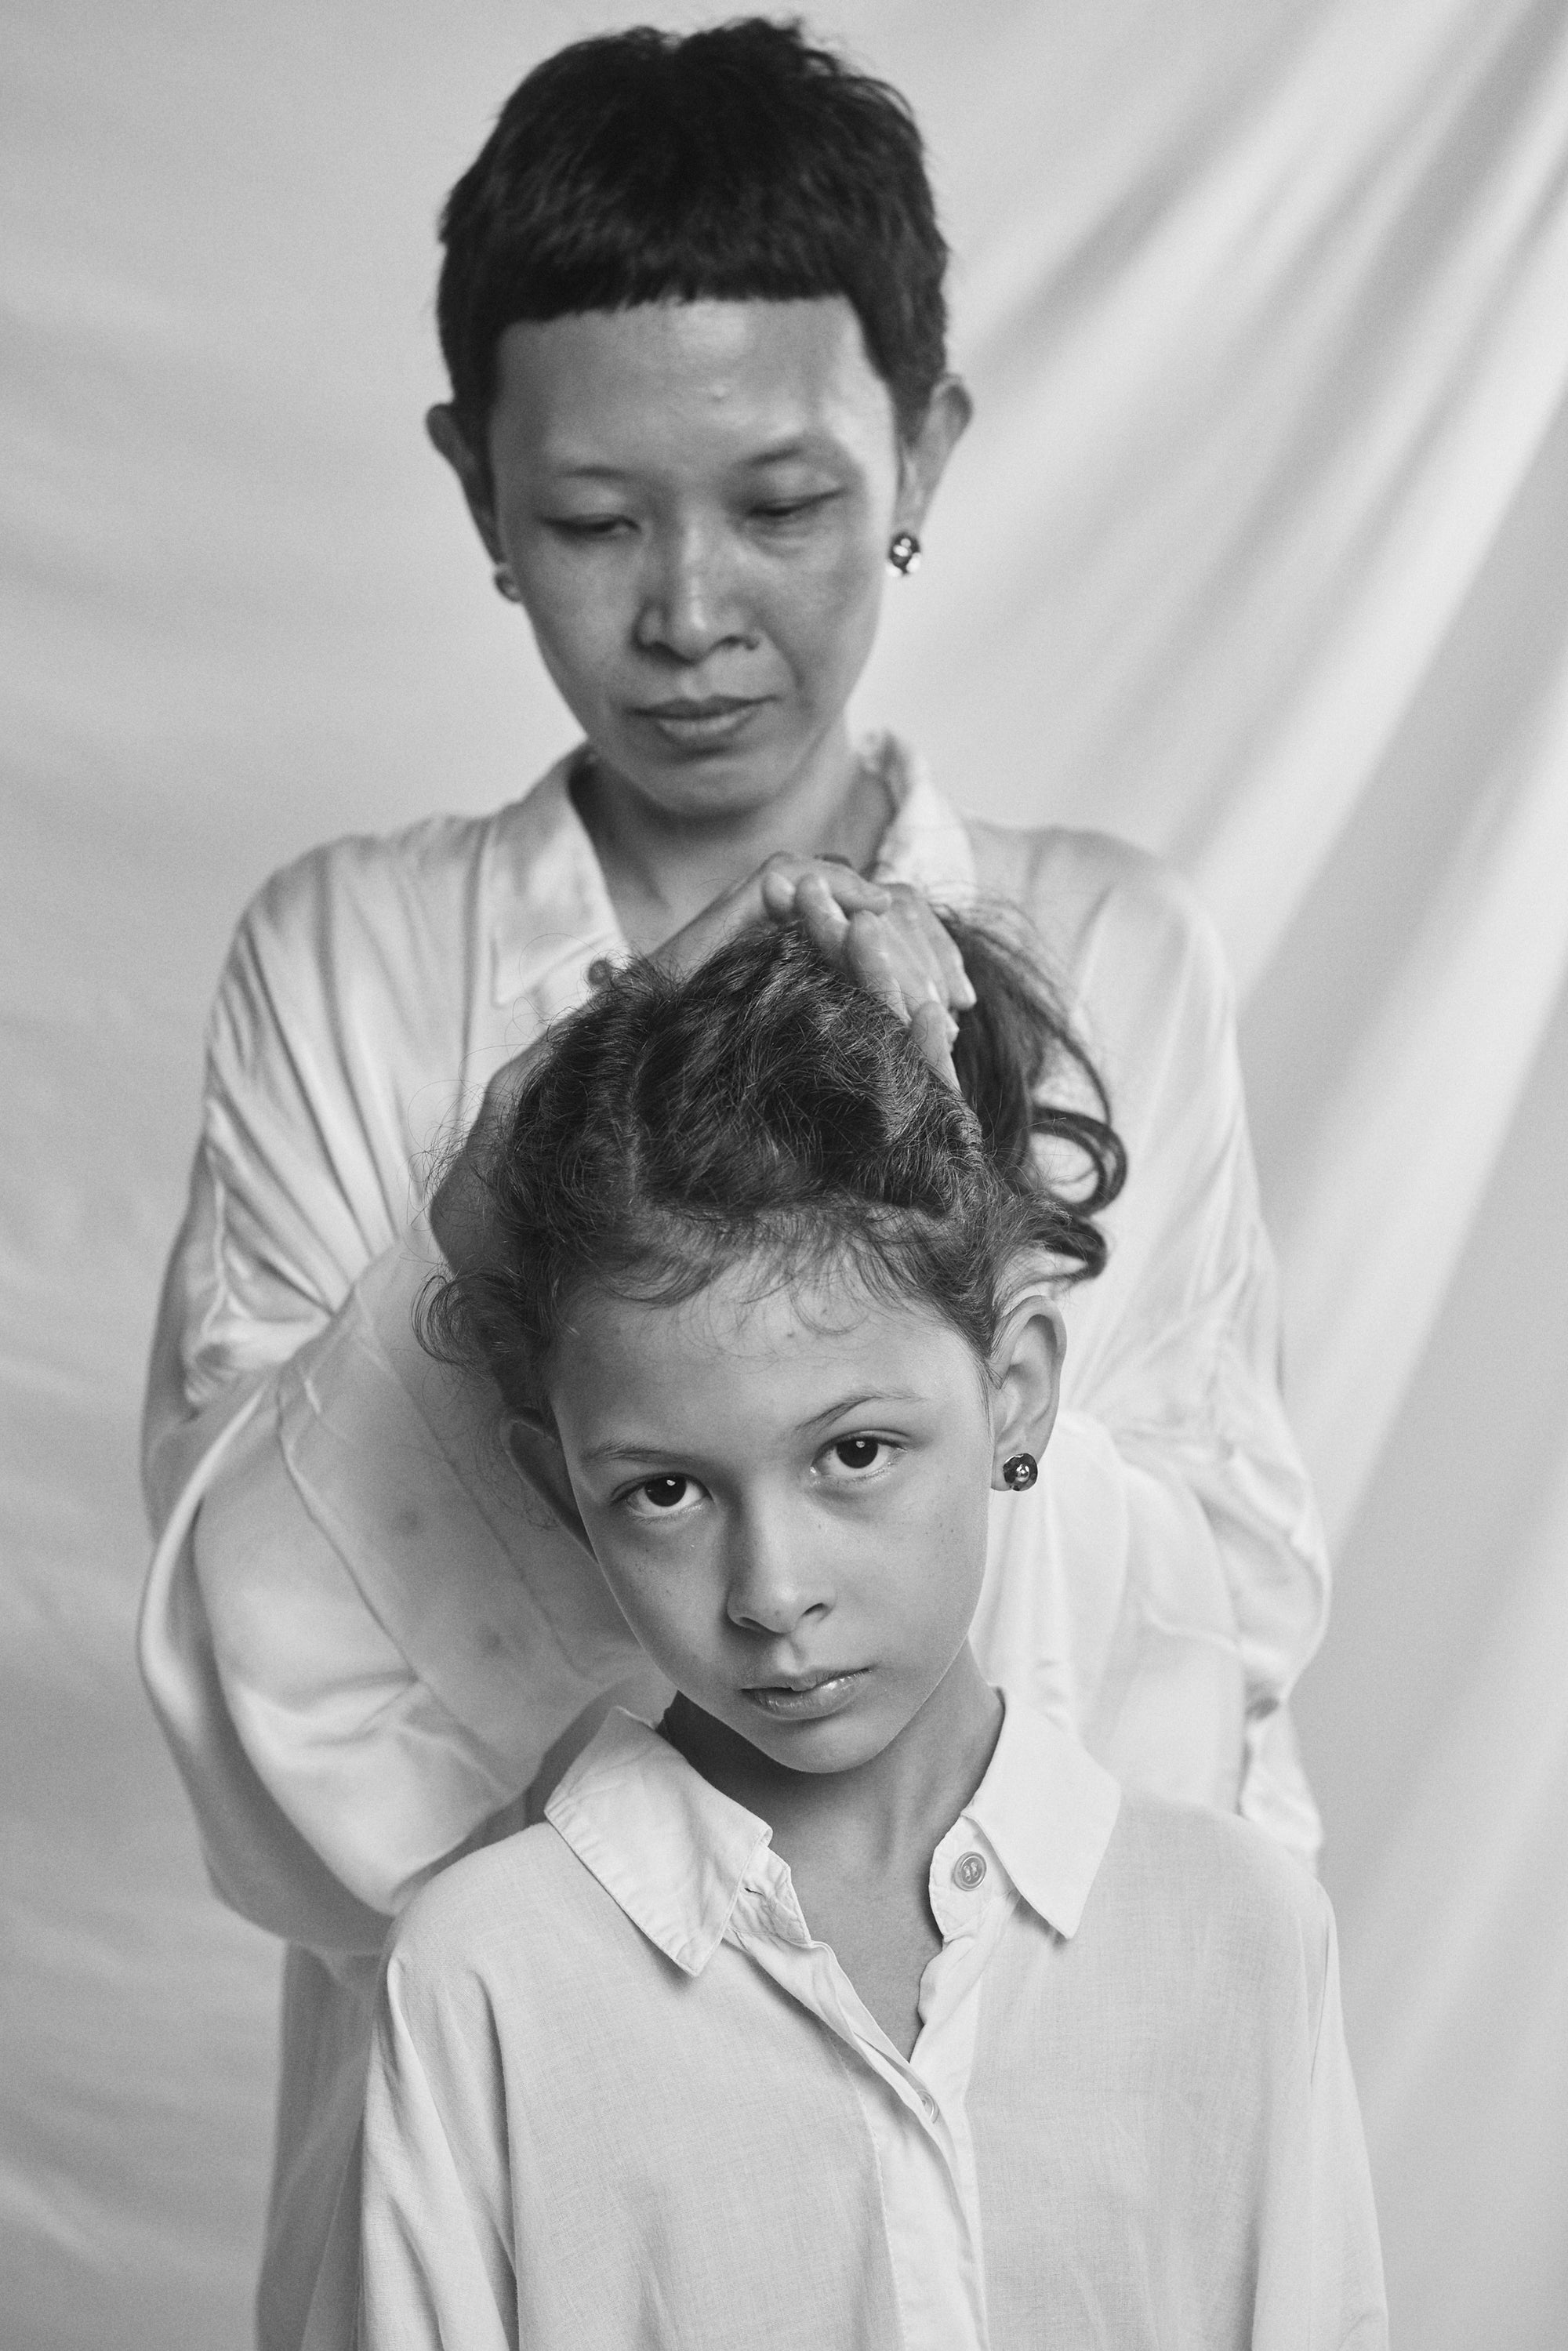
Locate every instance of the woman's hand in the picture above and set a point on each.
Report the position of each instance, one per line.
(884, 935)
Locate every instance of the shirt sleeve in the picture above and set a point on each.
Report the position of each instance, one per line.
(435, 2222)
(359, 1635)
(1204, 1580)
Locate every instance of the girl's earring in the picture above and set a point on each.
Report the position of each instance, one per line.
(1020, 1472)
(903, 554)
(505, 584)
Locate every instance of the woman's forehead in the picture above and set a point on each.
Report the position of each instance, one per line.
(744, 382)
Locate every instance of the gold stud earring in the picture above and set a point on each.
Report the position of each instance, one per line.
(505, 585)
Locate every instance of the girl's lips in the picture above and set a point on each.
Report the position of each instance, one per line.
(809, 1705)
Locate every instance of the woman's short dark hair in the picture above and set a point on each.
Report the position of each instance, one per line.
(766, 1109)
(736, 164)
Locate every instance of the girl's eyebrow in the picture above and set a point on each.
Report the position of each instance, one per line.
(630, 1449)
(854, 1404)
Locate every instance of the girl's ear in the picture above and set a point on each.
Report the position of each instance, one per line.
(447, 436)
(535, 1450)
(1026, 1380)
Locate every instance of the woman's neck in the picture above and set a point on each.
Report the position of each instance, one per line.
(664, 868)
(886, 1816)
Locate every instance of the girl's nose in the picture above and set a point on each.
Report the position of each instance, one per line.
(690, 606)
(772, 1586)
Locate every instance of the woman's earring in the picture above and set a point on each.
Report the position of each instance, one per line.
(903, 553)
(505, 584)
(1020, 1472)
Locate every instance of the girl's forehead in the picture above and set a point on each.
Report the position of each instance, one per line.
(746, 1326)
(752, 381)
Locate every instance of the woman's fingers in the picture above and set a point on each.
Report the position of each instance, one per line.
(884, 935)
(876, 963)
(898, 957)
(934, 1030)
(958, 990)
(791, 883)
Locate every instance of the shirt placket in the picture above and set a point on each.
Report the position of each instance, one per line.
(971, 1898)
(930, 2214)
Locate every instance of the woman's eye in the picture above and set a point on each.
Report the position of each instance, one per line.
(788, 510)
(587, 525)
(662, 1496)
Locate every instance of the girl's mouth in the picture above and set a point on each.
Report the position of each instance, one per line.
(822, 1694)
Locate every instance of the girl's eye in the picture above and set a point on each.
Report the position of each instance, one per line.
(859, 1452)
(663, 1496)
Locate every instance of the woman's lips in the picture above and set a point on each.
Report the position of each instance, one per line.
(809, 1699)
(715, 719)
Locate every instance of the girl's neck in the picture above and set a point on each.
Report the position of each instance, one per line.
(886, 1815)
(663, 869)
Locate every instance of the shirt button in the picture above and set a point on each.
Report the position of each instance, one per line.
(968, 1870)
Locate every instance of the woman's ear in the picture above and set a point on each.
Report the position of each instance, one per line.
(923, 460)
(535, 1450)
(1026, 1382)
(448, 438)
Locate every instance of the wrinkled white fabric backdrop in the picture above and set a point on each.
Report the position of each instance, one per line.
(1256, 554)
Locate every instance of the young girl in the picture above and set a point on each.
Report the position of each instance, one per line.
(692, 307)
(854, 2005)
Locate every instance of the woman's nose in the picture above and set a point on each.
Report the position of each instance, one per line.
(690, 605)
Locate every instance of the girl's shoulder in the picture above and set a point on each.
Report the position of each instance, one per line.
(518, 1913)
(1235, 1905)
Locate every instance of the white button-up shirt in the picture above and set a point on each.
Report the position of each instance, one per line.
(620, 2099)
(362, 1636)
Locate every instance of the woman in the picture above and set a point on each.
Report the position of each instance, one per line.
(692, 310)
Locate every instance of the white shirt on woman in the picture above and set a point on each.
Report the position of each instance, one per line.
(364, 1637)
(620, 2099)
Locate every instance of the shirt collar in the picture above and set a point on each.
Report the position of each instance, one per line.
(548, 909)
(672, 1851)
(550, 913)
(675, 1853)
(1047, 1809)
(927, 842)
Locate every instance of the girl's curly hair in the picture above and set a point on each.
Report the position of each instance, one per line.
(766, 1109)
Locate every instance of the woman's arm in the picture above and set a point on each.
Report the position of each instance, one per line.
(332, 1512)
(1175, 1516)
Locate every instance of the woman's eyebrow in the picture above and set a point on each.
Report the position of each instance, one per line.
(784, 452)
(584, 469)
